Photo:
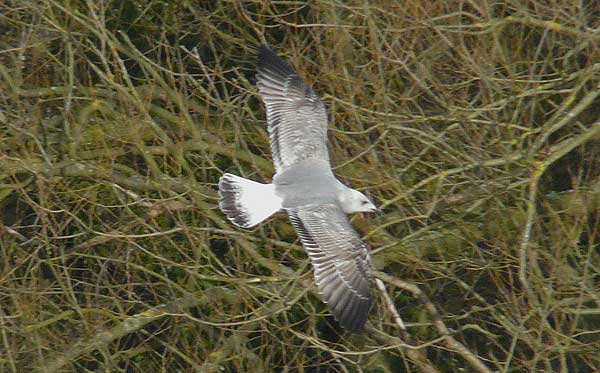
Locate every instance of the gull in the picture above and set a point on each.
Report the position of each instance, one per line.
(305, 187)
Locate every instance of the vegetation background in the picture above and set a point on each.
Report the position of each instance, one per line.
(474, 124)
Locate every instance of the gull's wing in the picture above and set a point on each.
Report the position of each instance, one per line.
(296, 116)
(341, 261)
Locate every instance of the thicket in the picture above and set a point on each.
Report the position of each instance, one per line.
(475, 125)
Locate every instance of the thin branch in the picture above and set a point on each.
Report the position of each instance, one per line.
(451, 343)
(130, 325)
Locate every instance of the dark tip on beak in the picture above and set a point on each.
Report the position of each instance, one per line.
(379, 212)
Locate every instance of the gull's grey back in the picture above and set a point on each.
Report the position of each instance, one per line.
(307, 182)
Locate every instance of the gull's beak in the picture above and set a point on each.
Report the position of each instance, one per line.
(379, 212)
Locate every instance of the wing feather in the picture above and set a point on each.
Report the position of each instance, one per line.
(296, 116)
(341, 261)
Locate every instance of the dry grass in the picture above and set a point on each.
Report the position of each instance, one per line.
(474, 124)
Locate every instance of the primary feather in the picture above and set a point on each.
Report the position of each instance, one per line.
(296, 116)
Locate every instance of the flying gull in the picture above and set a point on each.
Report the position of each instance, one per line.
(305, 187)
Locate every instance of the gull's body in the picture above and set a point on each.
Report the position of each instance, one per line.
(306, 188)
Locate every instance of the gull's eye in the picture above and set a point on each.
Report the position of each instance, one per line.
(365, 202)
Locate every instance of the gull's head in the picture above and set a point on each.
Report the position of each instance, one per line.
(355, 201)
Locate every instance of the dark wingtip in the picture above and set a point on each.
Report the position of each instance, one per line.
(355, 320)
(349, 309)
(265, 52)
(269, 61)
(264, 49)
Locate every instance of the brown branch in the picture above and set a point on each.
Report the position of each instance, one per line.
(451, 343)
(131, 324)
(414, 354)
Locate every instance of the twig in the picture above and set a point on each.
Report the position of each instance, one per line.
(557, 152)
(129, 325)
(395, 315)
(416, 355)
(451, 343)
(526, 236)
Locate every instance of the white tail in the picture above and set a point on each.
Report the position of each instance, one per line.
(246, 202)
